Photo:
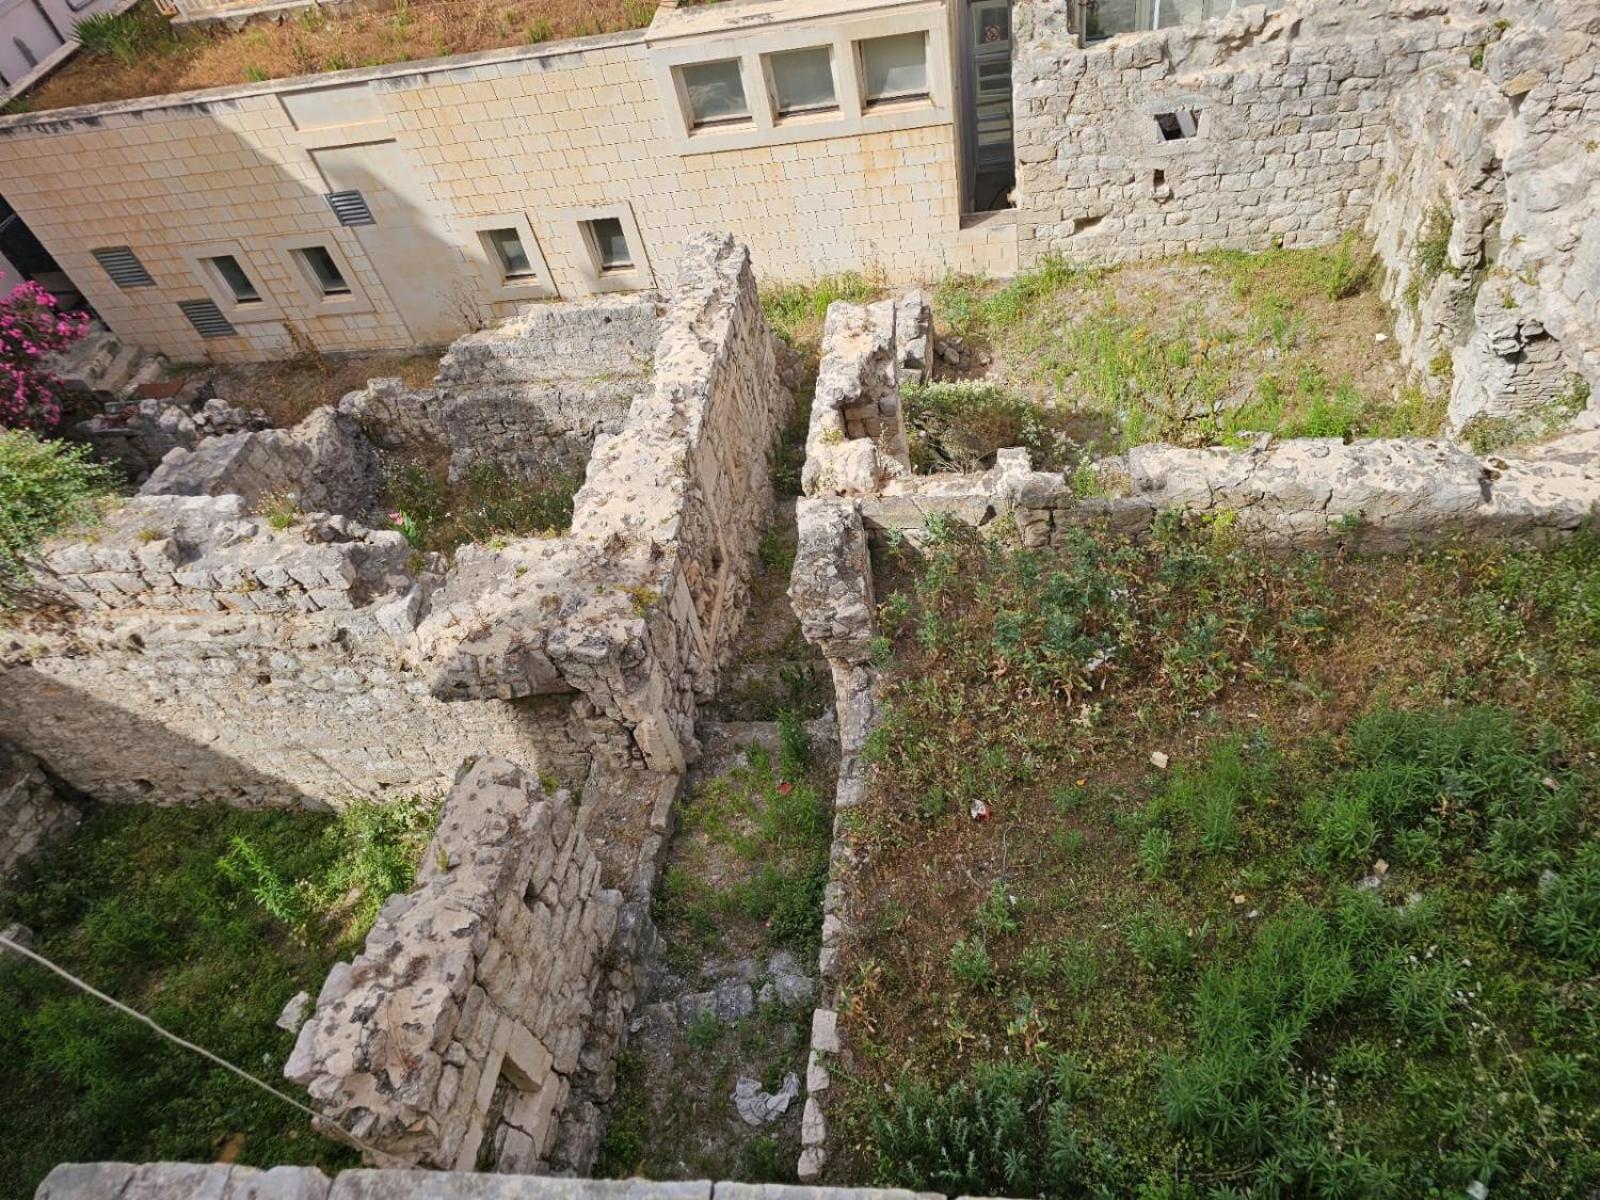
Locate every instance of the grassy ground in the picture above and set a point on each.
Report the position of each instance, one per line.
(1291, 885)
(744, 881)
(485, 507)
(143, 54)
(209, 920)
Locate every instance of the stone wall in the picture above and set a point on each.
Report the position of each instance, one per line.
(183, 1181)
(1252, 130)
(453, 1038)
(1486, 219)
(32, 812)
(529, 396)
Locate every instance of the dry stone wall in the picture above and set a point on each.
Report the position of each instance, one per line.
(32, 812)
(529, 396)
(1243, 132)
(464, 1017)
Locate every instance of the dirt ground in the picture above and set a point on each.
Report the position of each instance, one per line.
(287, 391)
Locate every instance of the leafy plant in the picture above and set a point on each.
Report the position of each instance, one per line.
(45, 487)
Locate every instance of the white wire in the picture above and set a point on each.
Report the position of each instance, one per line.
(316, 1117)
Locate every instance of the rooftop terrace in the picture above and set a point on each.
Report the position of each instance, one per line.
(142, 53)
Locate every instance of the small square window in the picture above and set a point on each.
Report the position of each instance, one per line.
(233, 278)
(319, 264)
(1175, 126)
(716, 93)
(508, 253)
(610, 244)
(802, 80)
(895, 68)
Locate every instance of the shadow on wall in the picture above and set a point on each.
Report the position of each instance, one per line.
(113, 754)
(252, 257)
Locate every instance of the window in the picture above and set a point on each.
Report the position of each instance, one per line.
(715, 91)
(323, 271)
(895, 68)
(506, 249)
(234, 279)
(802, 80)
(1174, 126)
(610, 244)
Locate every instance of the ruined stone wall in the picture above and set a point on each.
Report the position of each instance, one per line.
(452, 1039)
(32, 812)
(1288, 113)
(1486, 220)
(216, 658)
(529, 396)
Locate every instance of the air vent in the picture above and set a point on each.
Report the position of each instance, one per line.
(207, 318)
(351, 208)
(124, 267)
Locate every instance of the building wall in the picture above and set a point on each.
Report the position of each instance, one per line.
(534, 138)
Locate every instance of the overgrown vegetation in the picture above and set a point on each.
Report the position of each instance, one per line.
(45, 486)
(208, 920)
(1288, 884)
(141, 53)
(959, 426)
(1219, 348)
(486, 505)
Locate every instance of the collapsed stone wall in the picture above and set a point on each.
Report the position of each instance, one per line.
(463, 1018)
(637, 607)
(32, 812)
(1254, 129)
(529, 396)
(215, 657)
(1486, 221)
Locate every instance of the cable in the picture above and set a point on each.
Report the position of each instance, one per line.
(316, 1117)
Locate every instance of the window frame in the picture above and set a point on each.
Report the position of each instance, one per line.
(540, 285)
(595, 276)
(265, 307)
(317, 301)
(696, 125)
(872, 103)
(803, 112)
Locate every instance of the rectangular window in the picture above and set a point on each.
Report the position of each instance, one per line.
(610, 244)
(715, 91)
(506, 250)
(234, 279)
(323, 270)
(802, 80)
(895, 68)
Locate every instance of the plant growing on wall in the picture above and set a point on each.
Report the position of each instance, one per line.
(31, 329)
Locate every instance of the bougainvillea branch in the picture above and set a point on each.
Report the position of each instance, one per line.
(31, 329)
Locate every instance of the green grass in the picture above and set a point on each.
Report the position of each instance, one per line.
(485, 506)
(961, 425)
(1175, 982)
(208, 920)
(45, 486)
(796, 311)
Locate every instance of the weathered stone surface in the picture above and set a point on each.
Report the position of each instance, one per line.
(181, 1181)
(484, 975)
(324, 464)
(32, 812)
(830, 587)
(429, 1185)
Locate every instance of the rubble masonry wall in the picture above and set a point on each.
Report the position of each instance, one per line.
(32, 812)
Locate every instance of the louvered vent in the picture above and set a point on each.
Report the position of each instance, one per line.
(207, 319)
(351, 208)
(124, 267)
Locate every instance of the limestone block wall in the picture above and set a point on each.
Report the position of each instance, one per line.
(215, 658)
(535, 138)
(452, 1039)
(1255, 129)
(32, 812)
(636, 608)
(1502, 161)
(528, 396)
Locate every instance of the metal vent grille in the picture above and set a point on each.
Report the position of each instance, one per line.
(207, 318)
(351, 208)
(124, 267)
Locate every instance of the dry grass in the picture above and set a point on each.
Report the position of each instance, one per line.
(287, 391)
(168, 58)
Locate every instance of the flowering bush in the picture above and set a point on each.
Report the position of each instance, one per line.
(30, 330)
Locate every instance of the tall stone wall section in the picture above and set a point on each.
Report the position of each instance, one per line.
(32, 812)
(1290, 111)
(214, 657)
(528, 397)
(1497, 166)
(637, 607)
(453, 1038)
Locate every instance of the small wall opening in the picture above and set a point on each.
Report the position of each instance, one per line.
(1177, 125)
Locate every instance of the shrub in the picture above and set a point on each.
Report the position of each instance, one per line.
(45, 486)
(970, 963)
(30, 331)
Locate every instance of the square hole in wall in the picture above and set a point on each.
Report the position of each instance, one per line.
(1177, 125)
